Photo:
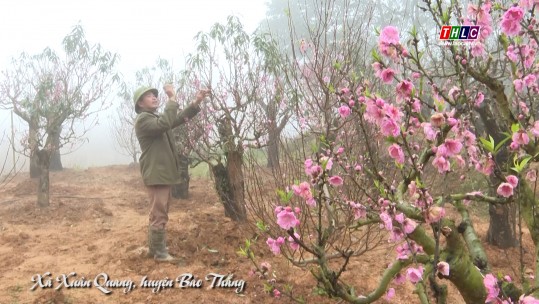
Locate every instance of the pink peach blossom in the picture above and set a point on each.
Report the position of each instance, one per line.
(479, 99)
(511, 21)
(505, 189)
(443, 268)
(531, 175)
(519, 85)
(275, 245)
(292, 243)
(336, 180)
(437, 120)
(512, 180)
(395, 151)
(491, 284)
(521, 138)
(415, 274)
(286, 219)
(441, 164)
(390, 294)
(435, 213)
(344, 111)
(387, 75)
(389, 127)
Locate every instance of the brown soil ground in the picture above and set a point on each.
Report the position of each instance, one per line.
(98, 217)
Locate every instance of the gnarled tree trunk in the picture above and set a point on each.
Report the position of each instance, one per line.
(229, 187)
(273, 149)
(181, 190)
(501, 232)
(43, 198)
(56, 159)
(34, 148)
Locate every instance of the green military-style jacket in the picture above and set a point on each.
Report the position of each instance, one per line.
(159, 161)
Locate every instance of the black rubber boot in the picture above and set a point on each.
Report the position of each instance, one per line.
(158, 241)
(151, 247)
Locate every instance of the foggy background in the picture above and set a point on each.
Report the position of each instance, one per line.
(140, 31)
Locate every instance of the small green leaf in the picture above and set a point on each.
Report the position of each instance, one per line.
(331, 88)
(515, 127)
(488, 145)
(391, 140)
(261, 226)
(520, 166)
(242, 252)
(375, 56)
(500, 144)
(525, 161)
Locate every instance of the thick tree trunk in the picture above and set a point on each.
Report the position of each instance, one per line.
(501, 231)
(34, 161)
(43, 185)
(228, 187)
(235, 175)
(35, 170)
(181, 190)
(56, 159)
(273, 149)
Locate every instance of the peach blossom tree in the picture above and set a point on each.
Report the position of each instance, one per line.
(56, 95)
(426, 125)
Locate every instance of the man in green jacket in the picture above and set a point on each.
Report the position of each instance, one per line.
(159, 162)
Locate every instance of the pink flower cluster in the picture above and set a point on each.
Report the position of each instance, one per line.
(529, 81)
(519, 138)
(404, 90)
(344, 111)
(385, 115)
(511, 21)
(304, 190)
(385, 74)
(358, 210)
(526, 52)
(286, 217)
(389, 43)
(275, 244)
(312, 169)
(493, 292)
(450, 148)
(407, 250)
(482, 17)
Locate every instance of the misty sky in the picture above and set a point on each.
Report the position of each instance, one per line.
(139, 30)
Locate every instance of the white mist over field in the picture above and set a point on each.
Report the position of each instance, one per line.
(139, 30)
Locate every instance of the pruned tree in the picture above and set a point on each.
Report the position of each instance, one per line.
(236, 66)
(57, 95)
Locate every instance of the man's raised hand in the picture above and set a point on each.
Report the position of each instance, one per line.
(169, 90)
(201, 94)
